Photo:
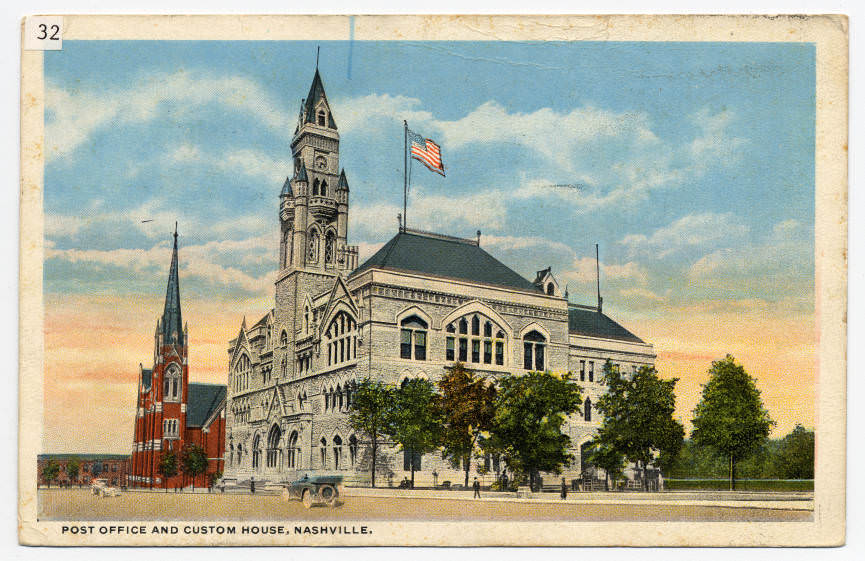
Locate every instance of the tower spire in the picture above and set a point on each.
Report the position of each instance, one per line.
(172, 323)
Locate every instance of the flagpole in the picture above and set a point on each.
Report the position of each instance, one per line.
(405, 175)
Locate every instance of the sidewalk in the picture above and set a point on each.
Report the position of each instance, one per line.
(722, 499)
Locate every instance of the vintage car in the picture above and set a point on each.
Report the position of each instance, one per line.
(101, 488)
(316, 490)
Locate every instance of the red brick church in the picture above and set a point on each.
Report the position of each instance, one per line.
(171, 412)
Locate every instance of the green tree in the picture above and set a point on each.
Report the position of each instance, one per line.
(50, 471)
(529, 411)
(414, 420)
(605, 456)
(167, 467)
(193, 461)
(466, 403)
(730, 416)
(638, 417)
(73, 468)
(795, 459)
(370, 413)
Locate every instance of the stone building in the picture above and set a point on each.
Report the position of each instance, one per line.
(113, 467)
(421, 303)
(171, 411)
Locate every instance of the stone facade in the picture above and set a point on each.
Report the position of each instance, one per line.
(292, 373)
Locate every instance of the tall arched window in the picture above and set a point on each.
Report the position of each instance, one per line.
(273, 451)
(241, 372)
(312, 249)
(322, 118)
(293, 451)
(323, 188)
(352, 449)
(413, 338)
(533, 351)
(323, 452)
(256, 452)
(171, 383)
(337, 452)
(315, 187)
(341, 338)
(329, 247)
(283, 339)
(480, 346)
(587, 410)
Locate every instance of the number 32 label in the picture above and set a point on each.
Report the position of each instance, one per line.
(43, 33)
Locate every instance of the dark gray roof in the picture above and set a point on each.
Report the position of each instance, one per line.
(442, 256)
(172, 323)
(203, 401)
(592, 323)
(343, 182)
(541, 274)
(286, 188)
(300, 173)
(316, 92)
(146, 376)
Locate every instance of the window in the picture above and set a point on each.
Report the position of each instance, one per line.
(485, 348)
(171, 383)
(587, 410)
(293, 451)
(591, 371)
(283, 339)
(242, 372)
(321, 118)
(315, 188)
(582, 371)
(337, 451)
(413, 334)
(256, 452)
(329, 242)
(341, 338)
(352, 449)
(323, 452)
(551, 289)
(323, 188)
(170, 428)
(274, 454)
(312, 249)
(533, 351)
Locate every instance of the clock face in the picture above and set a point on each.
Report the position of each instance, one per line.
(320, 162)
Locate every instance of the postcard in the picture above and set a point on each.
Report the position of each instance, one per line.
(433, 280)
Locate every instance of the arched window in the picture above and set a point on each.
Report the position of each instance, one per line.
(283, 366)
(479, 347)
(352, 449)
(315, 187)
(337, 452)
(533, 351)
(171, 387)
(312, 249)
(323, 452)
(283, 339)
(551, 289)
(323, 188)
(241, 372)
(413, 338)
(329, 246)
(256, 452)
(341, 335)
(339, 397)
(273, 451)
(322, 118)
(587, 410)
(293, 451)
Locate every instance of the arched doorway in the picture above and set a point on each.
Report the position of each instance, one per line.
(256, 452)
(293, 451)
(273, 451)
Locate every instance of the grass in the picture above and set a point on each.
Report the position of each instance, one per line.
(741, 484)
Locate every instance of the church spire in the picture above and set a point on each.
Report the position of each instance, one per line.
(172, 324)
(316, 106)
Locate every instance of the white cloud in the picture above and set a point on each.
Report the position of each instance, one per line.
(689, 231)
(523, 242)
(584, 269)
(74, 116)
(714, 144)
(374, 110)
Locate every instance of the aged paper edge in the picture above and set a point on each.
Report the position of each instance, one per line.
(828, 33)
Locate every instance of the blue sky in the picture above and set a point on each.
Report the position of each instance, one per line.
(694, 164)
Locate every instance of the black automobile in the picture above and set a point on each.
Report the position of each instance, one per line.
(316, 490)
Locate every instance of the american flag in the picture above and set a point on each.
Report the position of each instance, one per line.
(426, 152)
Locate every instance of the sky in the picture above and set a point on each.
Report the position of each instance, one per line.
(690, 164)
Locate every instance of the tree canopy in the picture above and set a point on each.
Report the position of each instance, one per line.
(415, 420)
(370, 414)
(50, 471)
(73, 468)
(193, 461)
(730, 417)
(167, 466)
(529, 411)
(795, 458)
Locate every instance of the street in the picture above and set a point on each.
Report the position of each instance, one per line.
(80, 504)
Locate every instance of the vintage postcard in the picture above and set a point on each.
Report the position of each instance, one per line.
(428, 280)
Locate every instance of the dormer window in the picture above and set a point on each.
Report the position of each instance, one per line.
(322, 118)
(551, 289)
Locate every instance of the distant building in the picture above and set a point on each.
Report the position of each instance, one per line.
(113, 467)
(172, 412)
(421, 303)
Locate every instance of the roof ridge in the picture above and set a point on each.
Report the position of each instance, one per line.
(436, 235)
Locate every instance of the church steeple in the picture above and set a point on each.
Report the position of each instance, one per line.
(316, 108)
(172, 323)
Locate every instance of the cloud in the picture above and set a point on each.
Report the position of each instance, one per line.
(584, 269)
(72, 116)
(359, 114)
(693, 230)
(524, 242)
(714, 144)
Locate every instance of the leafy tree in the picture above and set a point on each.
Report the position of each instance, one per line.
(605, 456)
(527, 424)
(414, 420)
(730, 416)
(167, 467)
(466, 403)
(370, 413)
(795, 459)
(638, 417)
(193, 461)
(50, 471)
(73, 467)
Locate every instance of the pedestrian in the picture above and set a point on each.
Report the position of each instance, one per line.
(564, 489)
(477, 487)
(505, 481)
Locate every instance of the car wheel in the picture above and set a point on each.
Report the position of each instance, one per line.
(328, 494)
(307, 498)
(286, 495)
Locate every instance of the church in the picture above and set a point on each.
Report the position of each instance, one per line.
(171, 411)
(423, 302)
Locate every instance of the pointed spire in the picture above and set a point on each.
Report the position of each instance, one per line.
(343, 182)
(301, 173)
(172, 324)
(316, 93)
(286, 189)
(243, 323)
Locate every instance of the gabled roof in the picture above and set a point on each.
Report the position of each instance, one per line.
(442, 256)
(592, 323)
(146, 377)
(301, 173)
(539, 277)
(202, 402)
(316, 93)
